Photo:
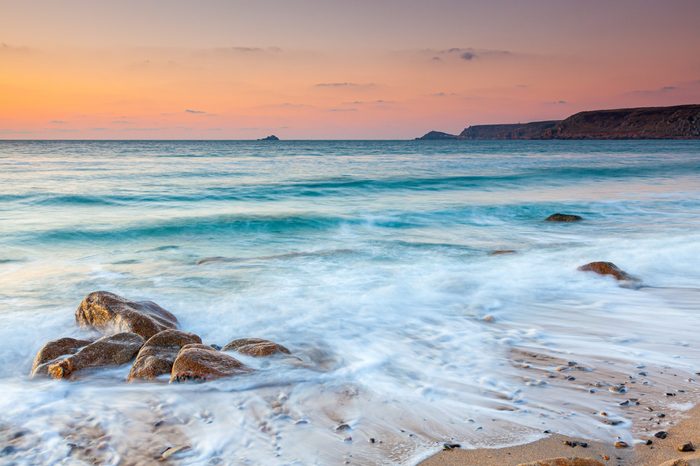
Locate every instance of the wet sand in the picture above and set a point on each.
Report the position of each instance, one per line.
(653, 400)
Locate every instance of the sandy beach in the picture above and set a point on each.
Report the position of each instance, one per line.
(655, 402)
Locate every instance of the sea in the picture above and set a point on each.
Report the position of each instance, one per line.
(371, 261)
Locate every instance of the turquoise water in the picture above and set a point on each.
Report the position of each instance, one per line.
(368, 259)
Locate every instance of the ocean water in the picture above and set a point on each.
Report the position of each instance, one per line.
(369, 261)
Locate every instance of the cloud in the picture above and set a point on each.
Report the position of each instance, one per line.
(660, 90)
(464, 53)
(58, 122)
(370, 102)
(240, 51)
(13, 49)
(195, 112)
(443, 94)
(342, 109)
(289, 105)
(342, 84)
(558, 102)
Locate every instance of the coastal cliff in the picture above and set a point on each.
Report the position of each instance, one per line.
(678, 122)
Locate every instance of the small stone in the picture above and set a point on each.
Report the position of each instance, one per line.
(566, 218)
(372, 440)
(347, 439)
(172, 451)
(607, 268)
(342, 428)
(648, 442)
(661, 434)
(451, 446)
(621, 444)
(686, 447)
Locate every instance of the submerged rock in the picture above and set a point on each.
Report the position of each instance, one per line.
(111, 313)
(500, 252)
(112, 350)
(561, 461)
(197, 362)
(52, 351)
(255, 347)
(607, 268)
(567, 218)
(158, 354)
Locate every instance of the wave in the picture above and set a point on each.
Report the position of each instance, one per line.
(190, 192)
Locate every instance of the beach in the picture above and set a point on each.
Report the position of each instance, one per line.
(429, 311)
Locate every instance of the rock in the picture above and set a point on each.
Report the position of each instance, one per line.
(686, 447)
(682, 462)
(111, 350)
(436, 135)
(566, 218)
(621, 444)
(52, 351)
(661, 434)
(201, 363)
(501, 252)
(451, 446)
(111, 313)
(607, 268)
(172, 451)
(271, 137)
(255, 347)
(158, 354)
(561, 461)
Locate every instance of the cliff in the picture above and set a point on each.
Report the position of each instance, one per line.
(678, 122)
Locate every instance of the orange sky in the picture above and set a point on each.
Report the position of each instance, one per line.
(328, 69)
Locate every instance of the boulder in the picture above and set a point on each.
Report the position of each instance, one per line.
(112, 350)
(157, 355)
(607, 268)
(255, 347)
(197, 362)
(52, 351)
(567, 218)
(561, 461)
(112, 314)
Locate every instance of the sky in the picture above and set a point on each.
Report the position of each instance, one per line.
(325, 69)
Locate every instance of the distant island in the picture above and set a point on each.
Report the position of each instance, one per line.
(271, 137)
(678, 122)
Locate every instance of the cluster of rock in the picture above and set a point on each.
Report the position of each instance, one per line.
(143, 332)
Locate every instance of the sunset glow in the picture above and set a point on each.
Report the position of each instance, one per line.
(378, 70)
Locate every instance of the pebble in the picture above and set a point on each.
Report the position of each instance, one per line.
(8, 450)
(574, 443)
(686, 447)
(171, 451)
(451, 446)
(621, 444)
(342, 428)
(661, 434)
